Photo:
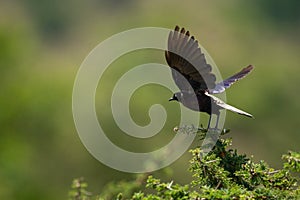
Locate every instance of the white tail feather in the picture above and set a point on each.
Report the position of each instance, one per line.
(222, 104)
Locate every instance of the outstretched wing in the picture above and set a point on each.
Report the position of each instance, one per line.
(185, 57)
(220, 87)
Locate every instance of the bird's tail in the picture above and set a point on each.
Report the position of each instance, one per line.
(222, 104)
(236, 110)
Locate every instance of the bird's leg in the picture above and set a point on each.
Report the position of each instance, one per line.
(217, 123)
(209, 121)
(220, 131)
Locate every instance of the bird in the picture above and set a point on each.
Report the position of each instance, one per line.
(194, 78)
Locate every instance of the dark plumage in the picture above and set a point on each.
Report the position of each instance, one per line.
(194, 77)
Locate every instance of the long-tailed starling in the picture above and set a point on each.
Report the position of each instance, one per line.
(194, 77)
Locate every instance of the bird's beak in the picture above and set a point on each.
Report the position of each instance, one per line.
(171, 99)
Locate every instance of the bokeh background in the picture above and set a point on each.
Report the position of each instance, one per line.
(42, 44)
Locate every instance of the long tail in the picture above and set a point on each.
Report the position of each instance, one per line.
(236, 110)
(222, 104)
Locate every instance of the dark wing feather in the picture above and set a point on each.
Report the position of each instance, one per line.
(184, 56)
(220, 87)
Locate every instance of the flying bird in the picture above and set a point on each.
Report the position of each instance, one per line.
(194, 77)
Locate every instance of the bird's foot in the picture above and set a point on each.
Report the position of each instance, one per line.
(201, 131)
(220, 131)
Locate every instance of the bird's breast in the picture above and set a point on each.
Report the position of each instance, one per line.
(199, 102)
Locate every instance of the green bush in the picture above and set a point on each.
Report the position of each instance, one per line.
(221, 174)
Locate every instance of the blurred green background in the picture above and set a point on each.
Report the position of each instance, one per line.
(42, 44)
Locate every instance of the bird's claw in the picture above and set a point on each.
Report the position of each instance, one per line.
(205, 130)
(200, 130)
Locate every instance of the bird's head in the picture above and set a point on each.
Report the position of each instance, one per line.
(176, 96)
